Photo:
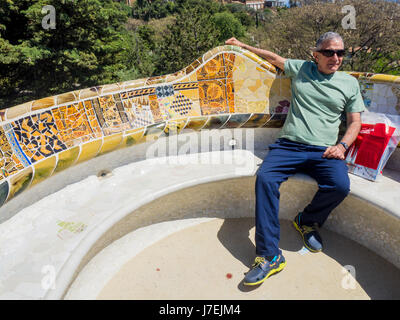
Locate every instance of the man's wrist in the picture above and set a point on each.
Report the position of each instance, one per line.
(344, 145)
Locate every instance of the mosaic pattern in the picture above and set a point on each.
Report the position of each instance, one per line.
(226, 88)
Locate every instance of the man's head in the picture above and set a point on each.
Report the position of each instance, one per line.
(329, 52)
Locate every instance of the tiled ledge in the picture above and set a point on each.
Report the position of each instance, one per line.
(53, 236)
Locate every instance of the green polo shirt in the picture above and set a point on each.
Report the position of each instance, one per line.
(318, 100)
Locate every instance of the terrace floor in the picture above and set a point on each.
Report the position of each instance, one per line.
(206, 259)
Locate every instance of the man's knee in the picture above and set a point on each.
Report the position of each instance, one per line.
(267, 180)
(341, 187)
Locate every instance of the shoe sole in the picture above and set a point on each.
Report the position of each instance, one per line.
(273, 271)
(296, 226)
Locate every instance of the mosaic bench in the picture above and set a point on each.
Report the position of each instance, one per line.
(53, 148)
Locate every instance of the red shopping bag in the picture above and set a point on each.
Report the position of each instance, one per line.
(372, 142)
(376, 141)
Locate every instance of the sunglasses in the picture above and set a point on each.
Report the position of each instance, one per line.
(330, 53)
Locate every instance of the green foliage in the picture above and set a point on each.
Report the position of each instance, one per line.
(153, 9)
(227, 25)
(192, 34)
(84, 49)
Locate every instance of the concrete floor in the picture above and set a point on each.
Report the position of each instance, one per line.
(208, 261)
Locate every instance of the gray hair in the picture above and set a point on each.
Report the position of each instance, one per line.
(326, 37)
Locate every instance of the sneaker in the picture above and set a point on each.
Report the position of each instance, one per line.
(262, 269)
(311, 238)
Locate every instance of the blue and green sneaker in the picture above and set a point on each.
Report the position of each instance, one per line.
(311, 238)
(262, 269)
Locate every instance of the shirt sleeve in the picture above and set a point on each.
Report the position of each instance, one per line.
(292, 67)
(356, 102)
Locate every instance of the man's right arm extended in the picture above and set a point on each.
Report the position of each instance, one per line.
(271, 57)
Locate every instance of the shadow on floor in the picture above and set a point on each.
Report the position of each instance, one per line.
(378, 278)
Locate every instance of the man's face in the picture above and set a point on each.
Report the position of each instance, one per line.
(329, 65)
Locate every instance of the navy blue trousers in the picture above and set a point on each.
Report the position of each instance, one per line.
(284, 159)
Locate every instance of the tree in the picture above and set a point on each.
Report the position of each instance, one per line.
(227, 25)
(374, 45)
(85, 48)
(192, 34)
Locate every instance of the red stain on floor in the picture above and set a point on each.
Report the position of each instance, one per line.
(229, 275)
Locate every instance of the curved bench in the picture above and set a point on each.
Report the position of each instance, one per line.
(59, 234)
(64, 195)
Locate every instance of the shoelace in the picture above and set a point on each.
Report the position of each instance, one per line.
(308, 229)
(258, 261)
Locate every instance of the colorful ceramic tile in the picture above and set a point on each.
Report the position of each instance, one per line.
(396, 93)
(3, 115)
(43, 103)
(164, 91)
(9, 162)
(138, 111)
(17, 150)
(153, 132)
(109, 110)
(18, 111)
(212, 69)
(73, 124)
(66, 159)
(89, 150)
(276, 121)
(177, 76)
(216, 122)
(155, 109)
(257, 121)
(4, 188)
(91, 117)
(19, 182)
(133, 137)
(110, 143)
(174, 126)
(43, 170)
(38, 136)
(88, 93)
(110, 88)
(212, 96)
(65, 98)
(195, 123)
(235, 121)
(180, 106)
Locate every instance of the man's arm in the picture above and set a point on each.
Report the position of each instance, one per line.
(271, 57)
(353, 128)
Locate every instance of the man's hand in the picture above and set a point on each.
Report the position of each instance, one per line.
(234, 42)
(336, 152)
(271, 57)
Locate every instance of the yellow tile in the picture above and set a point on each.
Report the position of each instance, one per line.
(67, 158)
(88, 93)
(110, 143)
(43, 103)
(66, 97)
(175, 126)
(384, 78)
(127, 85)
(89, 150)
(19, 182)
(132, 137)
(196, 123)
(109, 88)
(18, 111)
(43, 169)
(4, 188)
(153, 132)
